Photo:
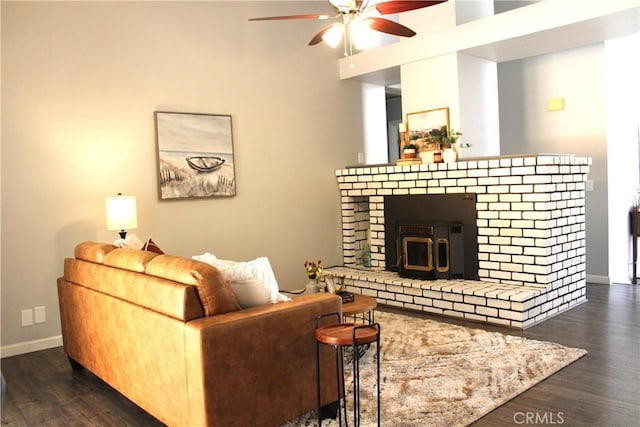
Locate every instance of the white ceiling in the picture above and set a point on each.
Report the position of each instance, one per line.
(536, 29)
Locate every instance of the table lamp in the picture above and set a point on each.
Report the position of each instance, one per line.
(121, 213)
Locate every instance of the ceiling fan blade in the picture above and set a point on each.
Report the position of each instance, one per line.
(388, 7)
(274, 18)
(318, 37)
(390, 27)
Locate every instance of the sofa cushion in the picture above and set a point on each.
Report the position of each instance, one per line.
(215, 294)
(93, 251)
(129, 259)
(253, 281)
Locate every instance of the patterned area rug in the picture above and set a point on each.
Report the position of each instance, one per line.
(439, 374)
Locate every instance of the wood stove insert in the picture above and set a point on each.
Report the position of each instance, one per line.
(432, 236)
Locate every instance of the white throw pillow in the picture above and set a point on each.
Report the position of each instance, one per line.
(131, 241)
(253, 282)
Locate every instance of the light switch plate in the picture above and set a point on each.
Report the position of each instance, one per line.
(40, 314)
(27, 317)
(555, 104)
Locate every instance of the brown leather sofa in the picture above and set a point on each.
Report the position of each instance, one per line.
(168, 333)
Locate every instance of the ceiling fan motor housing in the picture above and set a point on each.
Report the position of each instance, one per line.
(348, 6)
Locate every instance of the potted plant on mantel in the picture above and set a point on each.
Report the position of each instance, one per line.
(409, 151)
(446, 138)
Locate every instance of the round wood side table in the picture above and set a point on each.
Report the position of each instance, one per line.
(362, 307)
(353, 336)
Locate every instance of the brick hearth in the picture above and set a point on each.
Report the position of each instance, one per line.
(531, 236)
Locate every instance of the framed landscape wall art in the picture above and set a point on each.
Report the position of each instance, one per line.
(421, 124)
(195, 155)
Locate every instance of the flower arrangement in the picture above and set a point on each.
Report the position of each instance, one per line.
(314, 269)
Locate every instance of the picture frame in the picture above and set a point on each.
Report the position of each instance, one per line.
(194, 155)
(330, 285)
(421, 123)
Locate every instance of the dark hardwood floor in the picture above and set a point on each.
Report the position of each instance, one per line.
(600, 389)
(603, 387)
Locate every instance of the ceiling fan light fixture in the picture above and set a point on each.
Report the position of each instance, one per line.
(333, 36)
(362, 35)
(358, 34)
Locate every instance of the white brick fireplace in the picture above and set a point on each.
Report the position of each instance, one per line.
(531, 236)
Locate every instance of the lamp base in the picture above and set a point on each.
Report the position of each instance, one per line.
(123, 234)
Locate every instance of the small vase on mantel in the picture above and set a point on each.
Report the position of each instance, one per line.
(449, 155)
(437, 157)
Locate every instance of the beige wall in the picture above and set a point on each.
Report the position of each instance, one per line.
(80, 83)
(526, 126)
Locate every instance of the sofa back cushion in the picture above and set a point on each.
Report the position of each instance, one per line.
(129, 259)
(93, 251)
(216, 295)
(172, 299)
(117, 271)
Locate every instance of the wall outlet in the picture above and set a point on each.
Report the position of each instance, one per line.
(27, 317)
(40, 314)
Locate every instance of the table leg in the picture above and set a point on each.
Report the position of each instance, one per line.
(634, 234)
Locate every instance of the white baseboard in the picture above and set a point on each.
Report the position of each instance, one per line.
(600, 280)
(30, 346)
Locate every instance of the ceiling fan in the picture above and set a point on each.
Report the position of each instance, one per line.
(356, 16)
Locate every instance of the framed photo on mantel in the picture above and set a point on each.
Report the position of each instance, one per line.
(195, 155)
(420, 124)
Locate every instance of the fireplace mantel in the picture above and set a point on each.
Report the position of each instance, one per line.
(530, 214)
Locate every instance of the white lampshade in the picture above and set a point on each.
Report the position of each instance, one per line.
(121, 213)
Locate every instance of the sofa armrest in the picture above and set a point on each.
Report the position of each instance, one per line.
(258, 365)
